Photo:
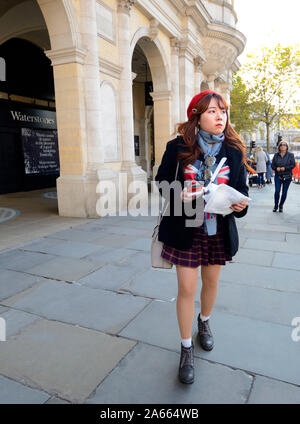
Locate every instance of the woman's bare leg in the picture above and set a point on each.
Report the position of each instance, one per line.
(210, 277)
(187, 287)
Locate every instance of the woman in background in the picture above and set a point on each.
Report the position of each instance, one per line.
(283, 164)
(260, 159)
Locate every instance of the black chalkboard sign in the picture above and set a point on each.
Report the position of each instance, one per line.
(40, 149)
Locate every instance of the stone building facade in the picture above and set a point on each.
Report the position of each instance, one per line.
(124, 72)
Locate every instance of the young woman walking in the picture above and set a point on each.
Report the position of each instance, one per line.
(283, 164)
(203, 141)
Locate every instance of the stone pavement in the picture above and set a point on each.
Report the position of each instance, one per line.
(89, 321)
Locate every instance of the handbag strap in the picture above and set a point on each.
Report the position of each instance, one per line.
(167, 204)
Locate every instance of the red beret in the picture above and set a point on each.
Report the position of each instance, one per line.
(196, 99)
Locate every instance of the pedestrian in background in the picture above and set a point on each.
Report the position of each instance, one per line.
(261, 167)
(269, 172)
(283, 164)
(203, 141)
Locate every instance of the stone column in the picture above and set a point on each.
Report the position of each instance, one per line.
(128, 164)
(162, 124)
(186, 78)
(211, 81)
(96, 170)
(198, 63)
(175, 79)
(77, 95)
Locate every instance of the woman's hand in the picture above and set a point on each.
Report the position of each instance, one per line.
(282, 169)
(185, 198)
(238, 207)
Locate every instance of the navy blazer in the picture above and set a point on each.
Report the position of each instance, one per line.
(172, 229)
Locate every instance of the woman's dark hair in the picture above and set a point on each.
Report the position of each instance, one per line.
(187, 131)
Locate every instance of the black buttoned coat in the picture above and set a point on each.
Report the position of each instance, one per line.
(173, 230)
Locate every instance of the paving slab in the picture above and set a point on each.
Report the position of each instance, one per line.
(17, 320)
(58, 247)
(139, 260)
(268, 391)
(149, 375)
(65, 269)
(263, 304)
(12, 392)
(110, 277)
(254, 256)
(279, 246)
(157, 325)
(277, 228)
(20, 260)
(286, 260)
(31, 359)
(137, 232)
(72, 234)
(263, 235)
(155, 284)
(142, 243)
(261, 276)
(108, 255)
(12, 282)
(112, 240)
(90, 308)
(254, 346)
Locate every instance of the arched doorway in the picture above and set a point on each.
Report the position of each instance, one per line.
(151, 100)
(29, 149)
(142, 110)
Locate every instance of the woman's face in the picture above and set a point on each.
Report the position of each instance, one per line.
(214, 119)
(283, 147)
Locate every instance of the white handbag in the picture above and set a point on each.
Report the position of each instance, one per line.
(156, 247)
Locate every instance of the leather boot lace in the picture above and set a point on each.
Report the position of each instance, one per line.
(187, 356)
(204, 327)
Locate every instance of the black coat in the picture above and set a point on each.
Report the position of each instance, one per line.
(287, 162)
(172, 229)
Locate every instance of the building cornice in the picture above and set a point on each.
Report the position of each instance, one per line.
(109, 68)
(67, 55)
(161, 95)
(227, 33)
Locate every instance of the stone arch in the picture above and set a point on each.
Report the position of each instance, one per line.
(156, 57)
(109, 121)
(61, 14)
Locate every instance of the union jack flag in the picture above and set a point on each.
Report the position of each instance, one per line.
(223, 175)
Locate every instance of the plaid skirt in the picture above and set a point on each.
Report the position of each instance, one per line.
(205, 250)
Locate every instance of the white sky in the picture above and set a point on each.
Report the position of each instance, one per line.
(268, 22)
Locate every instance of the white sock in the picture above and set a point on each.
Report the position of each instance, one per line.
(204, 318)
(186, 342)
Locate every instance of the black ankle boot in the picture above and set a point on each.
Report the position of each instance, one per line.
(205, 335)
(186, 365)
(275, 208)
(280, 208)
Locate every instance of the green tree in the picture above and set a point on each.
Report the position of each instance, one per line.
(272, 80)
(240, 106)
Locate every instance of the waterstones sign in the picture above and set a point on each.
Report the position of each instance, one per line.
(11, 116)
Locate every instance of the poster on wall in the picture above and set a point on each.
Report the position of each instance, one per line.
(40, 148)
